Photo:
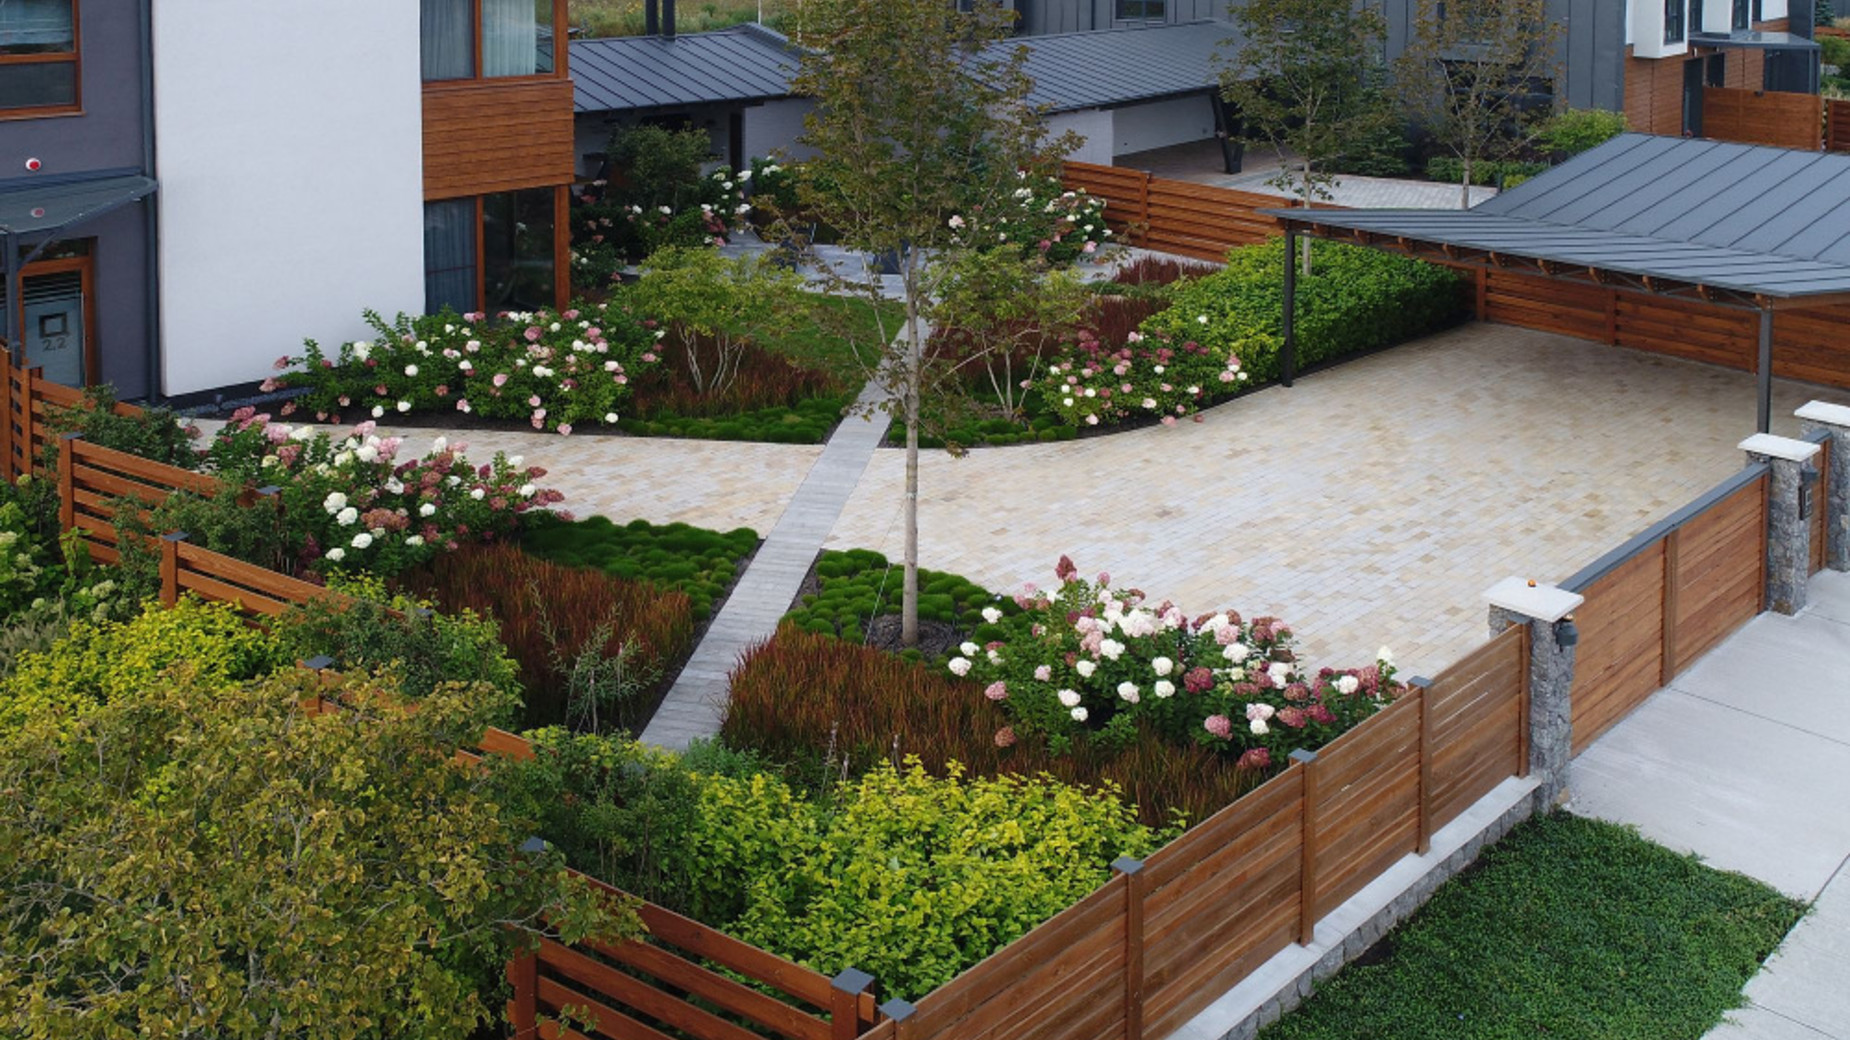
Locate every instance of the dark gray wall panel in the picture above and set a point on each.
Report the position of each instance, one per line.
(107, 136)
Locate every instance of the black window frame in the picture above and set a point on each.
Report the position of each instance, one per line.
(1145, 10)
(72, 59)
(1674, 27)
(1742, 16)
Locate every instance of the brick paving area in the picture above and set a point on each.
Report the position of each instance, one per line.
(1200, 163)
(1372, 504)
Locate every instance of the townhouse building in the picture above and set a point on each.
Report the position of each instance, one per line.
(187, 190)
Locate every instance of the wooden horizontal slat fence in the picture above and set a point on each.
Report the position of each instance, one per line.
(1837, 125)
(1769, 117)
(1147, 951)
(24, 432)
(1181, 217)
(92, 479)
(1808, 344)
(1663, 599)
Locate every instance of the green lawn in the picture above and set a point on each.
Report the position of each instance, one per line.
(1568, 928)
(835, 327)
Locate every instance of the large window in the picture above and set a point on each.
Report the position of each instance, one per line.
(38, 57)
(487, 39)
(1673, 21)
(1743, 14)
(1141, 10)
(493, 253)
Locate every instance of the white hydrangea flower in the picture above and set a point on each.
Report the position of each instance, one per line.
(1085, 669)
(1347, 685)
(968, 649)
(1129, 692)
(335, 502)
(337, 554)
(1079, 714)
(1258, 727)
(1111, 649)
(347, 517)
(362, 540)
(1164, 689)
(1162, 666)
(959, 667)
(1068, 698)
(1235, 652)
(991, 615)
(428, 509)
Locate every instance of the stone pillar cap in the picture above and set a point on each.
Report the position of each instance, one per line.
(1541, 602)
(1826, 413)
(1780, 447)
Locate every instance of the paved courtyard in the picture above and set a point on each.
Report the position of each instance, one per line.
(1200, 162)
(1372, 504)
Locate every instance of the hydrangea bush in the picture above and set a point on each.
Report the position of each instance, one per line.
(1096, 383)
(351, 503)
(550, 369)
(1061, 225)
(1087, 658)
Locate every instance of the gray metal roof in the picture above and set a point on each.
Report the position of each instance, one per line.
(30, 208)
(1766, 222)
(1114, 66)
(747, 63)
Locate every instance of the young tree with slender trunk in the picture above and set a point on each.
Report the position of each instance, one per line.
(1478, 75)
(1301, 83)
(922, 126)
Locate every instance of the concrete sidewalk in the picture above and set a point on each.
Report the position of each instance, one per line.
(1744, 760)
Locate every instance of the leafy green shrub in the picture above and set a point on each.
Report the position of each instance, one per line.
(368, 628)
(1382, 151)
(815, 705)
(699, 562)
(858, 585)
(913, 878)
(654, 197)
(1356, 299)
(207, 859)
(1450, 169)
(1575, 130)
(156, 433)
(576, 631)
(807, 421)
(101, 661)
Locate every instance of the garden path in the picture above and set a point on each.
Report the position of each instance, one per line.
(1371, 505)
(1741, 761)
(696, 703)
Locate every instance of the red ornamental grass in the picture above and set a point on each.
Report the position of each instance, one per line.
(1152, 270)
(524, 594)
(791, 693)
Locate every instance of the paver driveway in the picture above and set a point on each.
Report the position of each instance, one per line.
(1372, 504)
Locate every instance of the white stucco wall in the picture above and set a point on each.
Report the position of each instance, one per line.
(289, 153)
(775, 126)
(1645, 29)
(1159, 124)
(1093, 124)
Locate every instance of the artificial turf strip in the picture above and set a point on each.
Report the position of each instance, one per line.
(1568, 928)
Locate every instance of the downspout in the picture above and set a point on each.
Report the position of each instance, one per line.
(150, 206)
(14, 348)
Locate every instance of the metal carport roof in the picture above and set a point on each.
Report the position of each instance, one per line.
(1731, 224)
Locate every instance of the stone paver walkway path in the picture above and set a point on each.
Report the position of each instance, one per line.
(696, 703)
(1742, 760)
(1200, 163)
(1373, 504)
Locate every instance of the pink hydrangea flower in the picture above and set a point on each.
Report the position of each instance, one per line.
(1219, 725)
(1255, 759)
(996, 691)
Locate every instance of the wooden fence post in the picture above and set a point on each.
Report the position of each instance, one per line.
(1132, 870)
(67, 484)
(25, 418)
(1422, 688)
(845, 992)
(523, 973)
(170, 567)
(901, 1013)
(1307, 861)
(1667, 653)
(6, 417)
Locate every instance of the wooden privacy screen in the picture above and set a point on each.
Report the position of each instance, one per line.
(1664, 599)
(484, 136)
(1768, 117)
(28, 397)
(1149, 950)
(92, 479)
(1837, 126)
(1807, 344)
(1178, 217)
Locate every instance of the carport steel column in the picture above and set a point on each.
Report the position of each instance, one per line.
(1288, 352)
(1763, 369)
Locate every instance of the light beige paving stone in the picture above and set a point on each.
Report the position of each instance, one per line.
(1372, 504)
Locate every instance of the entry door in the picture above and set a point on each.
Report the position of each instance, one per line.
(1692, 97)
(54, 319)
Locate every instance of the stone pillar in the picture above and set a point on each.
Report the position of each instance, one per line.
(1788, 542)
(1834, 419)
(1549, 613)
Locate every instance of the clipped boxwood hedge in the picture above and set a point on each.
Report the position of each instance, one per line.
(858, 585)
(809, 422)
(697, 561)
(1355, 299)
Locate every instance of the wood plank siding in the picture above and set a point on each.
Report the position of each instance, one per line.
(484, 136)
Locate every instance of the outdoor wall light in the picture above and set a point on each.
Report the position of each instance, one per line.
(1566, 634)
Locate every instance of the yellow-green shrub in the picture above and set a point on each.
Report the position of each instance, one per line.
(911, 877)
(102, 661)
